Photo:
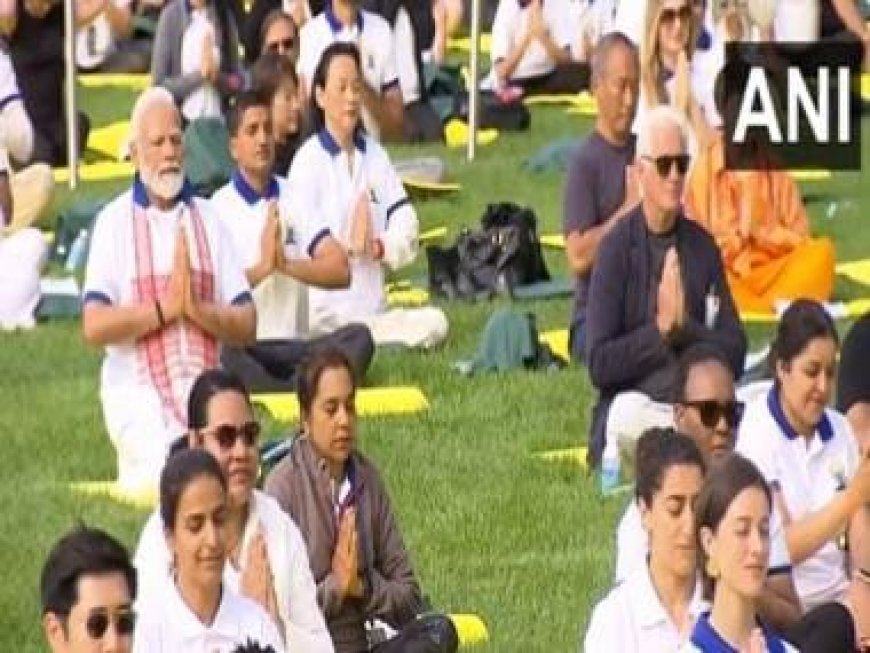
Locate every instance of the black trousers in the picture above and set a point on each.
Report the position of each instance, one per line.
(431, 633)
(566, 78)
(826, 629)
(270, 365)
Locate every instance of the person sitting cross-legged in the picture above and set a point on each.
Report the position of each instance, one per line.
(658, 287)
(343, 180)
(337, 497)
(162, 291)
(283, 255)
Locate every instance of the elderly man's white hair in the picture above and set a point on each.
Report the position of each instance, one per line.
(662, 117)
(150, 97)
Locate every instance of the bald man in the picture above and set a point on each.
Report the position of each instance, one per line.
(163, 290)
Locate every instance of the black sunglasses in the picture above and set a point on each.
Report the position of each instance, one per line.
(227, 434)
(670, 15)
(98, 623)
(284, 45)
(711, 411)
(666, 162)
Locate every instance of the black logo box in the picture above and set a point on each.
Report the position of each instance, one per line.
(758, 150)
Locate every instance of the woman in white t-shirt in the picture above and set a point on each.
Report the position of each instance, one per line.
(655, 608)
(266, 556)
(810, 458)
(732, 522)
(194, 611)
(668, 72)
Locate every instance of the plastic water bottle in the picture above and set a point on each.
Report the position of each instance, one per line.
(76, 257)
(610, 468)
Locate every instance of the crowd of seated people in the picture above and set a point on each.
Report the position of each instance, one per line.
(747, 527)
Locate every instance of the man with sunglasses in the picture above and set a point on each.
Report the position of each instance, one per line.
(88, 586)
(657, 288)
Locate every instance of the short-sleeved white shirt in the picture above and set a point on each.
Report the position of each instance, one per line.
(325, 193)
(808, 476)
(510, 25)
(304, 626)
(632, 544)
(632, 619)
(705, 639)
(372, 35)
(166, 623)
(111, 271)
(281, 300)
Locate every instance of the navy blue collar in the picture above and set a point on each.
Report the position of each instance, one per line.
(526, 3)
(826, 431)
(705, 637)
(140, 193)
(335, 24)
(705, 40)
(248, 193)
(331, 145)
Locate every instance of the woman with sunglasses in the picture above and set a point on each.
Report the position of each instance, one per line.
(668, 72)
(266, 557)
(811, 460)
(655, 608)
(194, 610)
(732, 524)
(365, 583)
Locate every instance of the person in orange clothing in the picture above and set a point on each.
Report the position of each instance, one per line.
(760, 224)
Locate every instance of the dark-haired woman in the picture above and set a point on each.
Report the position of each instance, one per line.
(337, 497)
(732, 523)
(656, 606)
(343, 180)
(274, 77)
(266, 558)
(194, 611)
(808, 455)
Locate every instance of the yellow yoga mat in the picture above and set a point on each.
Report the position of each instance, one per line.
(110, 139)
(463, 44)
(572, 455)
(100, 171)
(431, 186)
(407, 297)
(470, 628)
(578, 103)
(554, 241)
(865, 83)
(810, 175)
(557, 339)
(838, 310)
(433, 235)
(858, 271)
(144, 499)
(395, 400)
(136, 82)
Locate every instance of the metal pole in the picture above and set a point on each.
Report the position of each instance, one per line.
(72, 127)
(474, 80)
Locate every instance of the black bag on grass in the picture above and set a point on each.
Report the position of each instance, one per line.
(503, 254)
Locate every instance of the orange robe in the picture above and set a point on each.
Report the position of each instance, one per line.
(760, 225)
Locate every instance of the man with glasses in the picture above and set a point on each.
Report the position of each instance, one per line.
(88, 586)
(658, 287)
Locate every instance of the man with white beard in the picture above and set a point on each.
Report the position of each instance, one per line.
(163, 289)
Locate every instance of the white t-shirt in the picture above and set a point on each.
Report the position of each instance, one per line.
(281, 300)
(372, 35)
(807, 476)
(511, 24)
(109, 279)
(295, 591)
(325, 193)
(632, 544)
(8, 84)
(204, 102)
(165, 624)
(705, 639)
(632, 619)
(406, 58)
(702, 88)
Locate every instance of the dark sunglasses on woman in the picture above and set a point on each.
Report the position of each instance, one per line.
(227, 434)
(711, 411)
(670, 15)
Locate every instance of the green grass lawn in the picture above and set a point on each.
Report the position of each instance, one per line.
(526, 544)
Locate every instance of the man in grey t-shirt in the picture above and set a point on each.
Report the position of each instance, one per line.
(601, 184)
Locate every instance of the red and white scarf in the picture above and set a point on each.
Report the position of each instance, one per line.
(171, 358)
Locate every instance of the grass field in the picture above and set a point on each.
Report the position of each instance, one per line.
(526, 544)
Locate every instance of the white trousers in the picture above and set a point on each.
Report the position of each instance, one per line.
(631, 413)
(22, 255)
(409, 327)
